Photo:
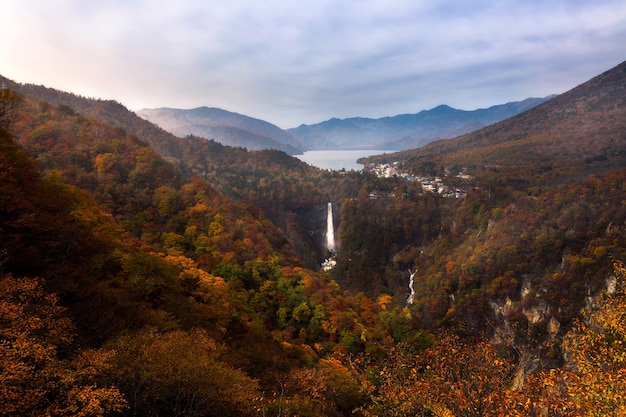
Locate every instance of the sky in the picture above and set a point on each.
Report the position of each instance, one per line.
(291, 62)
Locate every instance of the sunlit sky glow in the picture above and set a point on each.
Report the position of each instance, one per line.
(290, 62)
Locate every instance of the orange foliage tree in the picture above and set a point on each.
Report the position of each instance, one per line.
(34, 378)
(453, 378)
(180, 373)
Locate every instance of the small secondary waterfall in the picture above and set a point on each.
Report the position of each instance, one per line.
(409, 301)
(330, 229)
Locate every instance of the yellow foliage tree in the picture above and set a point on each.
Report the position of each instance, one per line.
(597, 345)
(210, 291)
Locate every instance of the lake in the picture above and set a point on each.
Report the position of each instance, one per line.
(339, 159)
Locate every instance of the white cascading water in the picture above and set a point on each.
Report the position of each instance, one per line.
(409, 301)
(330, 229)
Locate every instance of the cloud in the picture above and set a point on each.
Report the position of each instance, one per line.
(302, 62)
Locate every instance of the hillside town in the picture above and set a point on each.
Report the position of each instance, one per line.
(429, 184)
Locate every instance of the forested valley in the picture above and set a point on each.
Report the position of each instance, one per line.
(143, 274)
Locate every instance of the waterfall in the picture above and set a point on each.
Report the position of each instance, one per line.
(409, 301)
(331, 262)
(330, 229)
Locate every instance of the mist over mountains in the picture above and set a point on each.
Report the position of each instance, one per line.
(400, 132)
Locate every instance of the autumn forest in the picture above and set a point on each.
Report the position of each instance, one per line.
(143, 274)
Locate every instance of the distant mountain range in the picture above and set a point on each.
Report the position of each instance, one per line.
(400, 132)
(405, 131)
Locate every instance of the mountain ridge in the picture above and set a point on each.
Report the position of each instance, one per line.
(403, 131)
(406, 131)
(237, 130)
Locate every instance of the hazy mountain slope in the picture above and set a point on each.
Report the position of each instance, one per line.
(405, 131)
(112, 113)
(226, 127)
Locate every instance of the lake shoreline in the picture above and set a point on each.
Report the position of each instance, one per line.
(339, 159)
